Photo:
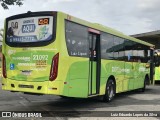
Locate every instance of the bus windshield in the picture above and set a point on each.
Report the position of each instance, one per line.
(29, 30)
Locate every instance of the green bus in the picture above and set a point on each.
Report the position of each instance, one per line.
(56, 53)
(157, 65)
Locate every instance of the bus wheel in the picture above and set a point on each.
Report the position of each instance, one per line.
(110, 91)
(144, 85)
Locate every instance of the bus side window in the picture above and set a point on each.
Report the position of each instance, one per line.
(107, 46)
(128, 51)
(76, 39)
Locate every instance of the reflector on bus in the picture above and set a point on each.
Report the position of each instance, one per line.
(94, 31)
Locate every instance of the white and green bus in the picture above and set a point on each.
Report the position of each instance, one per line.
(56, 53)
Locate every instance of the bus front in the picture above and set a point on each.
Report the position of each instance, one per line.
(30, 55)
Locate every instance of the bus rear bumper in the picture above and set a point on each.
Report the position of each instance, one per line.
(45, 87)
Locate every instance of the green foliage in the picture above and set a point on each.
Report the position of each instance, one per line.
(1, 34)
(6, 3)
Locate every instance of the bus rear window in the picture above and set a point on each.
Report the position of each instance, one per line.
(28, 31)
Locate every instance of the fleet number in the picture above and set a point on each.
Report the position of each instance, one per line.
(40, 57)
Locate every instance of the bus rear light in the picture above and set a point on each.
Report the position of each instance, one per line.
(54, 68)
(4, 66)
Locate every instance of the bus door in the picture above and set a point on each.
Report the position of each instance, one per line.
(137, 76)
(128, 83)
(94, 62)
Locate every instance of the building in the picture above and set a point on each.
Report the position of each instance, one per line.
(151, 37)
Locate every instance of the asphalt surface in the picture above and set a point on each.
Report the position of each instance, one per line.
(84, 108)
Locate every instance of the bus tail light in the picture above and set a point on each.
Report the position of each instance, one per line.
(4, 66)
(54, 68)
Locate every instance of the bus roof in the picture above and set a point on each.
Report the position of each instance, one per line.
(102, 28)
(96, 26)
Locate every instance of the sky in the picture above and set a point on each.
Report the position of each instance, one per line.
(128, 16)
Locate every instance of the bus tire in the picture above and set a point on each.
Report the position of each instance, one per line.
(110, 91)
(144, 85)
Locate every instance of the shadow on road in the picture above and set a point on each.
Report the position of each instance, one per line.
(120, 100)
(51, 103)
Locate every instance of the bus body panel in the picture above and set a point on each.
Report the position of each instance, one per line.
(123, 73)
(27, 64)
(76, 82)
(157, 73)
(44, 87)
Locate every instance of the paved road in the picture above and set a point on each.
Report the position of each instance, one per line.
(130, 101)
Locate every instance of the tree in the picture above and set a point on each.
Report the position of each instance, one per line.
(1, 35)
(6, 3)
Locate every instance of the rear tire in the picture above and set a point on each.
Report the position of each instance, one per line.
(144, 85)
(110, 91)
